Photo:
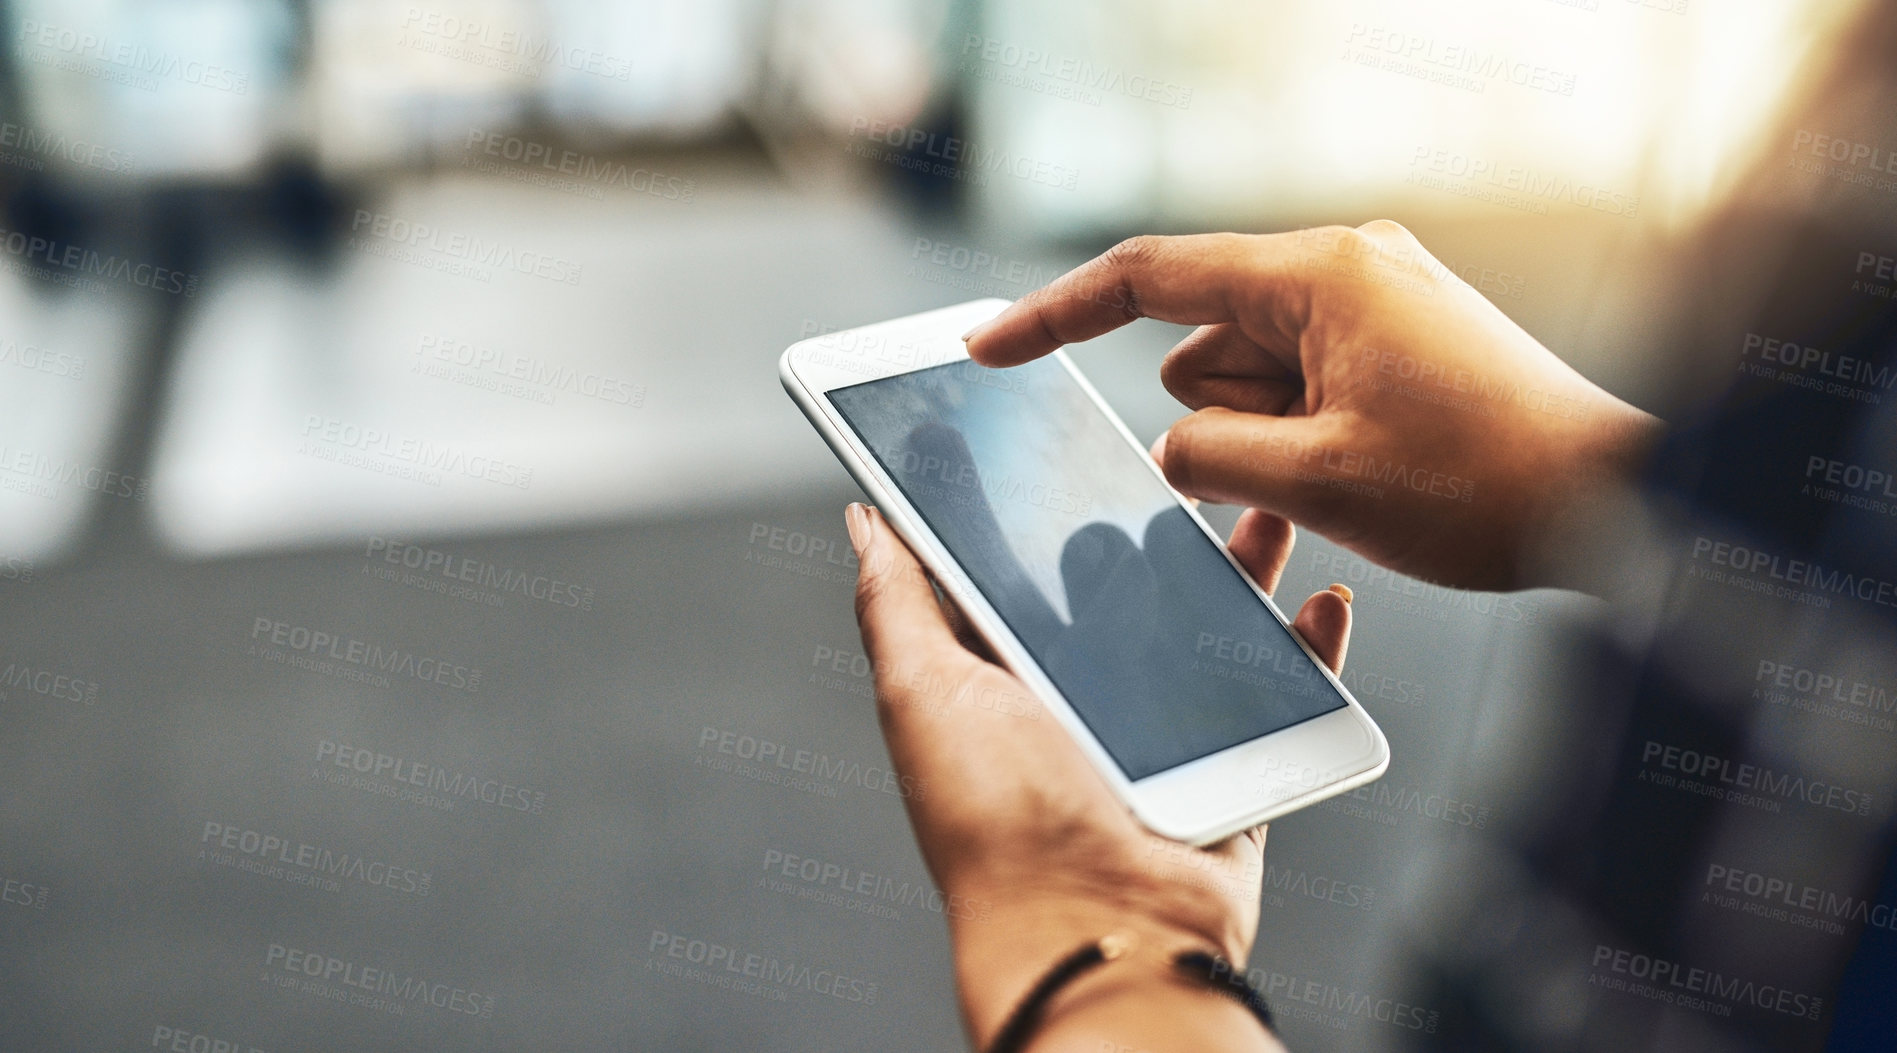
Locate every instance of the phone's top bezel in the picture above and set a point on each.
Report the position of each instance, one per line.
(1272, 774)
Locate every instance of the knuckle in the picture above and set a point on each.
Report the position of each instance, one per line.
(1136, 250)
(1387, 230)
(1121, 263)
(1352, 243)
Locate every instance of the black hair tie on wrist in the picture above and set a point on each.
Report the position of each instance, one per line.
(1209, 970)
(1027, 1016)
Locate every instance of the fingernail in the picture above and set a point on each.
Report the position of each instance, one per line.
(856, 519)
(970, 335)
(1158, 450)
(1344, 591)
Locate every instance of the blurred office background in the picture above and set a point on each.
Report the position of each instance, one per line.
(292, 292)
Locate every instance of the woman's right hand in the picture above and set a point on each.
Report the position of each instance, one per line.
(1344, 379)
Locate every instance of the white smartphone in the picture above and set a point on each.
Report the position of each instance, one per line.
(1093, 580)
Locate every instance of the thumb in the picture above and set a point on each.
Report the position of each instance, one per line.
(1286, 465)
(903, 626)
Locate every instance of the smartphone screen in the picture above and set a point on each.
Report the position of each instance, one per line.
(1153, 638)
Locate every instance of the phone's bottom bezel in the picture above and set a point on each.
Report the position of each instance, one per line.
(1254, 782)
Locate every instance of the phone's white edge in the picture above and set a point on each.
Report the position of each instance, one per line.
(1169, 802)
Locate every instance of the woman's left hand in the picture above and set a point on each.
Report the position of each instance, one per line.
(1033, 852)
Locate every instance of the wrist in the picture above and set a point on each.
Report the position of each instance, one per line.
(1626, 444)
(1000, 956)
(1595, 509)
(1150, 1011)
